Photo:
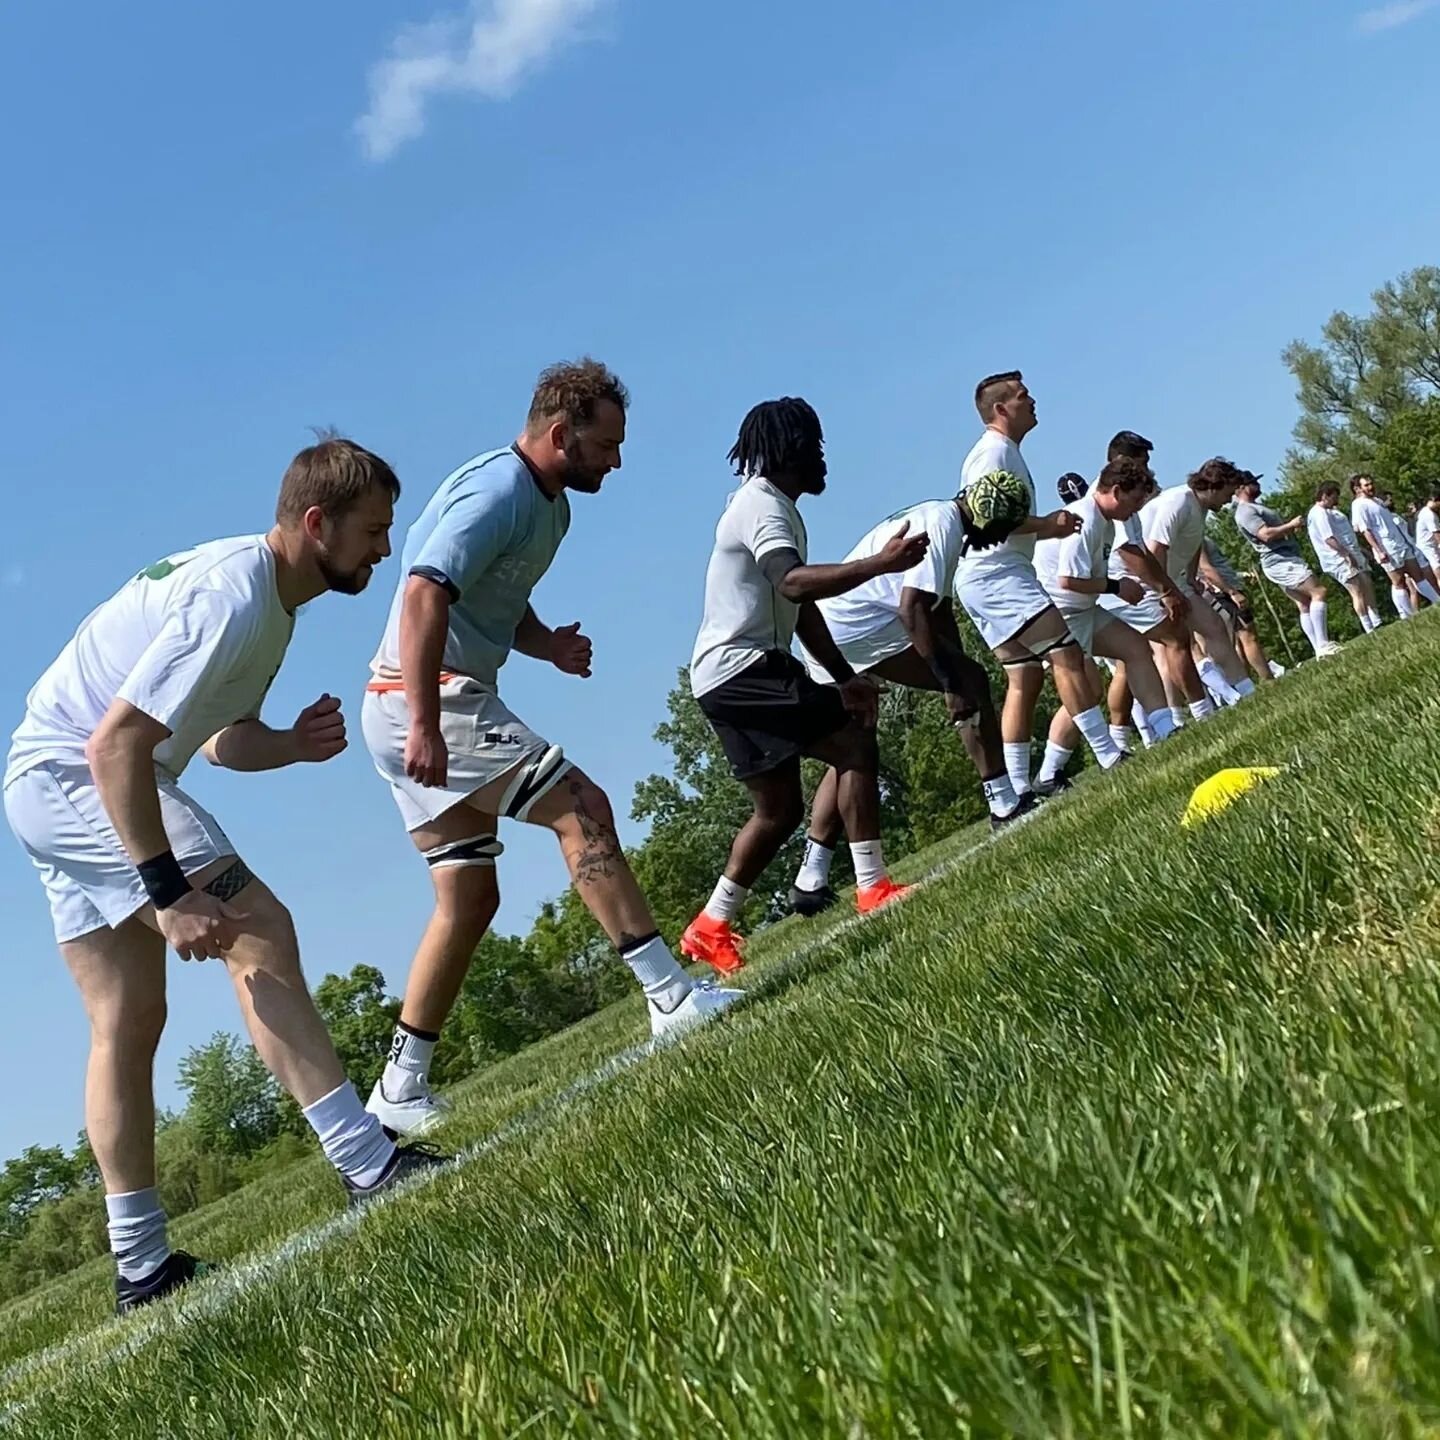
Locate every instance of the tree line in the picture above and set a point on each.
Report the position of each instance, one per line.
(1369, 395)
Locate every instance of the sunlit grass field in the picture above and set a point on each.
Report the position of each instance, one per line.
(1114, 1128)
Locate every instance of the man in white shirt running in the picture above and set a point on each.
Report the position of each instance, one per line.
(1391, 546)
(760, 592)
(1174, 527)
(901, 629)
(1075, 571)
(457, 758)
(1340, 555)
(1427, 531)
(1282, 563)
(999, 589)
(179, 660)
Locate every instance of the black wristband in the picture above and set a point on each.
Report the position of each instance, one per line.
(1112, 585)
(163, 879)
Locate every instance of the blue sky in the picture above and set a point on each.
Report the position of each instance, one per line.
(225, 224)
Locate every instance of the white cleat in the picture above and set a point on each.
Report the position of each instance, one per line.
(416, 1116)
(1331, 647)
(704, 1002)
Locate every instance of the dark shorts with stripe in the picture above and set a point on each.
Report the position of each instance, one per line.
(771, 712)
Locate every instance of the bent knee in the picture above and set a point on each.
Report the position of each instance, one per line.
(131, 1024)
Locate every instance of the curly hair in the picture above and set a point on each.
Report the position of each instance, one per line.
(1126, 473)
(1215, 474)
(571, 391)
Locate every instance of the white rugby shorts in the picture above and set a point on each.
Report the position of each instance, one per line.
(1338, 569)
(484, 740)
(55, 811)
(1003, 603)
(1285, 571)
(1141, 617)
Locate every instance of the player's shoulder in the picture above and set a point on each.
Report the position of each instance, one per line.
(493, 472)
(992, 451)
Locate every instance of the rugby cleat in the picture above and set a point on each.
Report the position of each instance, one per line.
(180, 1268)
(811, 902)
(1045, 789)
(1028, 807)
(877, 896)
(415, 1115)
(407, 1162)
(714, 942)
(704, 1002)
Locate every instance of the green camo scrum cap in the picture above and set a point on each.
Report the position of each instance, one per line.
(996, 503)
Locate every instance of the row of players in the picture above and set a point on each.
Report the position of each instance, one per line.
(179, 661)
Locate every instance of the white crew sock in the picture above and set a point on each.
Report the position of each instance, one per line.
(1091, 724)
(1374, 618)
(726, 901)
(1017, 765)
(815, 867)
(1000, 795)
(1428, 591)
(1202, 709)
(137, 1232)
(1057, 757)
(1319, 630)
(1123, 736)
(869, 863)
(1245, 687)
(1164, 727)
(1178, 715)
(1401, 597)
(1307, 625)
(1145, 722)
(350, 1135)
(665, 984)
(407, 1068)
(1215, 681)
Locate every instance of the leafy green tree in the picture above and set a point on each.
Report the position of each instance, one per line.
(1407, 453)
(361, 1019)
(232, 1099)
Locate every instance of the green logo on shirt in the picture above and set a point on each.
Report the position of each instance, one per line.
(161, 568)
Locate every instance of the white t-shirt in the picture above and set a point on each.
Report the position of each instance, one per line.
(1367, 513)
(992, 452)
(1084, 555)
(865, 622)
(193, 641)
(1128, 532)
(744, 615)
(1427, 534)
(1177, 519)
(1324, 524)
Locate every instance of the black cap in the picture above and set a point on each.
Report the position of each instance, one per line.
(1072, 486)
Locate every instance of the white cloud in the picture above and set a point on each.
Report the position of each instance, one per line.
(1388, 17)
(487, 52)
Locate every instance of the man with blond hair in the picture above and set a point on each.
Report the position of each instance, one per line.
(177, 661)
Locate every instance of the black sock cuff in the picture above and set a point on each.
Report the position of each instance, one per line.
(638, 943)
(431, 1035)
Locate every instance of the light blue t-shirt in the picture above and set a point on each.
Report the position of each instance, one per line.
(488, 534)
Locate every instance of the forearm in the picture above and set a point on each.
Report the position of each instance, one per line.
(939, 650)
(123, 768)
(1144, 567)
(808, 583)
(1078, 585)
(815, 636)
(533, 636)
(251, 745)
(424, 623)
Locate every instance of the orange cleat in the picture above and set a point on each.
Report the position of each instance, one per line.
(714, 942)
(882, 893)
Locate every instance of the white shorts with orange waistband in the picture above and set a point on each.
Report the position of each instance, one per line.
(485, 742)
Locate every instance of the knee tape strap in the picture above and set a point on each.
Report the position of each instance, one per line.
(1025, 662)
(533, 780)
(1062, 642)
(477, 850)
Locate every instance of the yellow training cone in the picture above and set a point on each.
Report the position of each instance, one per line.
(1222, 789)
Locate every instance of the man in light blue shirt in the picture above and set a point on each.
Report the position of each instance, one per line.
(457, 758)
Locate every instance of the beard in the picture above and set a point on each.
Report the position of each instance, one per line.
(583, 479)
(343, 582)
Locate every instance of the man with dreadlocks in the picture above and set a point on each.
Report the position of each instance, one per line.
(1000, 590)
(901, 629)
(759, 593)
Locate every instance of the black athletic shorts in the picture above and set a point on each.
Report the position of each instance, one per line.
(771, 712)
(1236, 617)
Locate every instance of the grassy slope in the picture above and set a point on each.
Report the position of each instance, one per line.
(1117, 1129)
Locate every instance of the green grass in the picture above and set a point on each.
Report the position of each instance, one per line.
(1116, 1129)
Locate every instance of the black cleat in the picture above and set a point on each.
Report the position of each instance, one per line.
(409, 1160)
(1046, 789)
(811, 902)
(179, 1269)
(1027, 807)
